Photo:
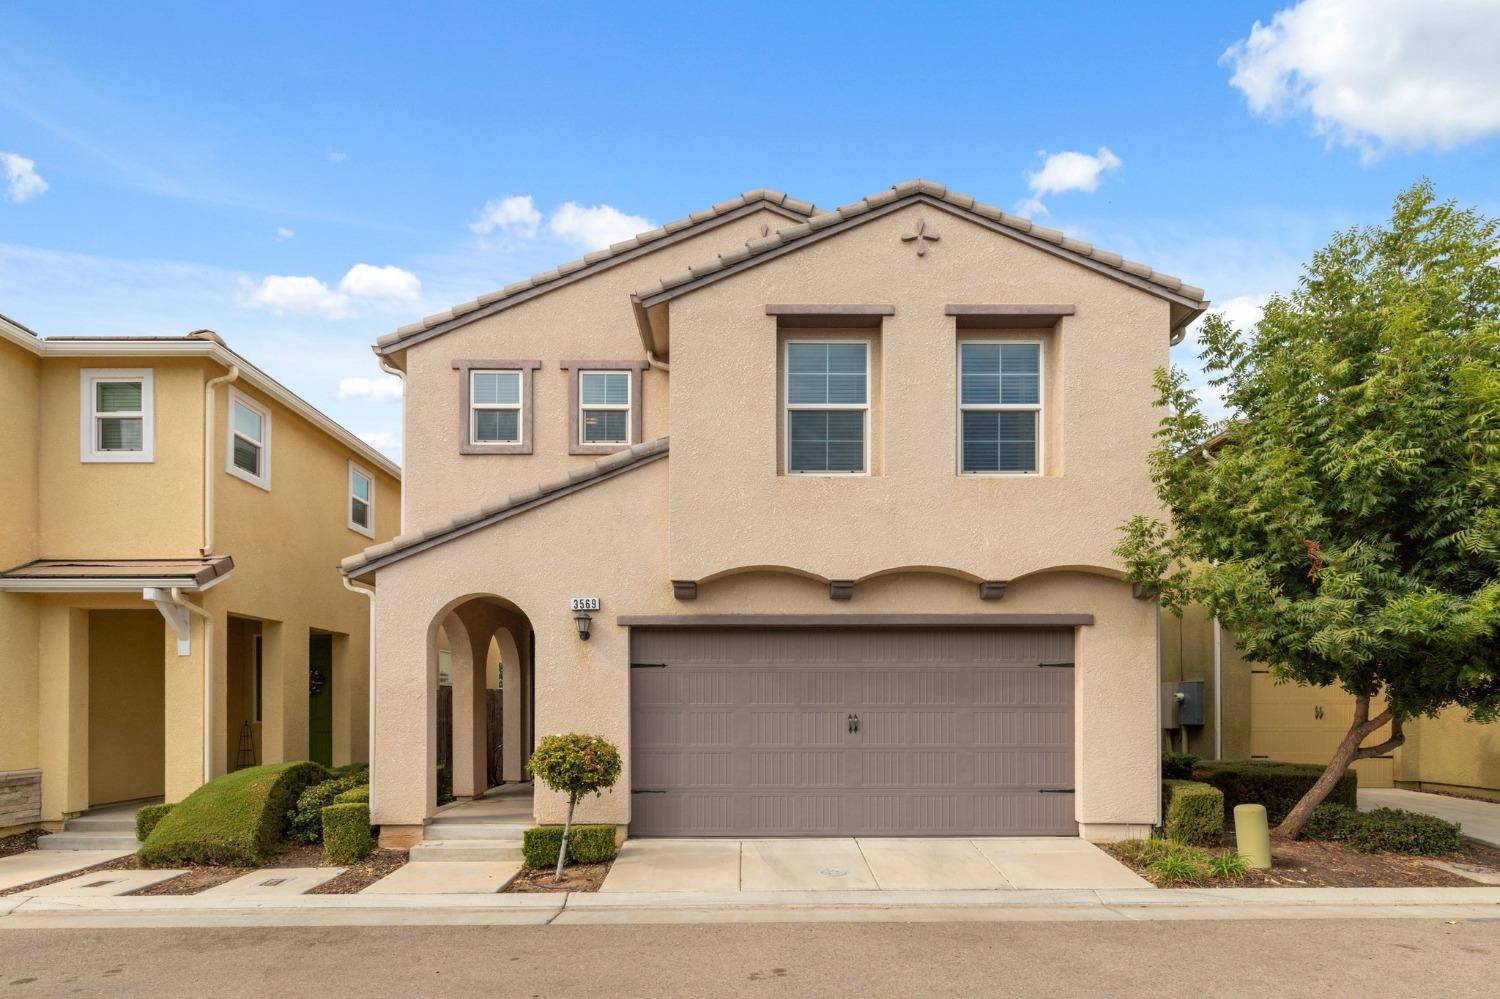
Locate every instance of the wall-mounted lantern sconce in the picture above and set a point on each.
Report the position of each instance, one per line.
(583, 619)
(580, 607)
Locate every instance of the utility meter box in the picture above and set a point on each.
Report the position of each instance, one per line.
(1169, 706)
(1190, 702)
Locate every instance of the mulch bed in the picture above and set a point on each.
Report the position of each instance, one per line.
(363, 874)
(576, 877)
(1309, 864)
(20, 842)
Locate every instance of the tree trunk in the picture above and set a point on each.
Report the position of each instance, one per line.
(1351, 748)
(562, 851)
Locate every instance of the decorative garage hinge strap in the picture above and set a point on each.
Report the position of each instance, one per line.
(648, 665)
(1054, 790)
(1058, 664)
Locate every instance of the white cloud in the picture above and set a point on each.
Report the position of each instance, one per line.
(283, 234)
(336, 155)
(1067, 171)
(382, 440)
(389, 283)
(384, 389)
(1377, 73)
(512, 216)
(596, 226)
(22, 182)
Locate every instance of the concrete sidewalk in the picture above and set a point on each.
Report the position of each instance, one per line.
(1480, 819)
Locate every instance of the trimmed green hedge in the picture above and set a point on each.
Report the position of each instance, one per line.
(1194, 812)
(1278, 786)
(586, 845)
(354, 796)
(235, 821)
(305, 821)
(1178, 766)
(346, 833)
(146, 818)
(1384, 830)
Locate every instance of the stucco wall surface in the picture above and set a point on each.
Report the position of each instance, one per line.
(20, 410)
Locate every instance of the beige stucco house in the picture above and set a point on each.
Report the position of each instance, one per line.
(835, 497)
(170, 605)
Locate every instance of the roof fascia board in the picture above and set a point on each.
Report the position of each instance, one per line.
(562, 281)
(872, 214)
(853, 620)
(117, 584)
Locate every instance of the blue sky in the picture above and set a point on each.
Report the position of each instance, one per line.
(303, 177)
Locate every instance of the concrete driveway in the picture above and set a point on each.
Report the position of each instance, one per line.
(1480, 819)
(721, 866)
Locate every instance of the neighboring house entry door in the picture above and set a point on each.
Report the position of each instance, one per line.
(320, 699)
(844, 731)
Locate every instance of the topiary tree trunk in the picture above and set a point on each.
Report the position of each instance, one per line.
(574, 765)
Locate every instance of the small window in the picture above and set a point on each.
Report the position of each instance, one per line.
(604, 407)
(249, 442)
(495, 407)
(257, 696)
(827, 407)
(116, 415)
(361, 501)
(1000, 407)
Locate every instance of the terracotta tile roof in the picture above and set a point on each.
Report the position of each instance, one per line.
(911, 189)
(585, 475)
(596, 260)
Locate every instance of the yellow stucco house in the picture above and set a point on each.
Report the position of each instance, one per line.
(811, 512)
(170, 604)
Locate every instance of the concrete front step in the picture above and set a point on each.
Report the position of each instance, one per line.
(107, 823)
(89, 841)
(467, 850)
(444, 830)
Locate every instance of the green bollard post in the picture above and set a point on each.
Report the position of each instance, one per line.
(1252, 836)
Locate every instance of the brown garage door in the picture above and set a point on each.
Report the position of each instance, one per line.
(822, 732)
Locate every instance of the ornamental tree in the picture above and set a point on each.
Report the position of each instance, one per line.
(1343, 521)
(574, 765)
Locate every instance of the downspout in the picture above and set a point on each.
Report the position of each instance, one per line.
(390, 369)
(656, 362)
(1218, 690)
(368, 591)
(168, 601)
(208, 455)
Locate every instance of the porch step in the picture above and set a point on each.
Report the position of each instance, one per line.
(68, 840)
(467, 850)
(452, 829)
(106, 822)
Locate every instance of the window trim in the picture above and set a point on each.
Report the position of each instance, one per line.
(368, 531)
(475, 408)
(607, 407)
(634, 423)
(1039, 407)
(88, 423)
(466, 442)
(788, 407)
(263, 480)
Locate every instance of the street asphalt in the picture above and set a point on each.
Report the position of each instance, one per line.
(1329, 958)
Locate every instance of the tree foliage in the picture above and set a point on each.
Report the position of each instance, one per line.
(1343, 522)
(574, 765)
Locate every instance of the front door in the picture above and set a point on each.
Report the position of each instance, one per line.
(320, 699)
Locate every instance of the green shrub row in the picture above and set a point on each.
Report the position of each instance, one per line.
(1278, 786)
(1178, 766)
(237, 820)
(1384, 830)
(305, 820)
(346, 833)
(354, 796)
(146, 818)
(586, 845)
(1193, 812)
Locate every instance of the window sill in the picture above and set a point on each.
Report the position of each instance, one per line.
(118, 458)
(598, 448)
(258, 481)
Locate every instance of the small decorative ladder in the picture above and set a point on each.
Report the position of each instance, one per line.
(246, 755)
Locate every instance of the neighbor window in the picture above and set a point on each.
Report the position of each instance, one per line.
(249, 440)
(1000, 407)
(604, 407)
(361, 501)
(827, 406)
(116, 419)
(495, 407)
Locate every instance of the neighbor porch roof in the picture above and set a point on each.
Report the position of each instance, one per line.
(57, 575)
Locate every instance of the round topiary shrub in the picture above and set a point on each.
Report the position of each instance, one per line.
(574, 765)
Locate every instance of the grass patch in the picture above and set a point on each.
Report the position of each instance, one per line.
(236, 820)
(1169, 864)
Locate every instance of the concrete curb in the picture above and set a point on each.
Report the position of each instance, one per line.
(21, 911)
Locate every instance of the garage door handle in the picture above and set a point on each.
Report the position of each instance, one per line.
(854, 723)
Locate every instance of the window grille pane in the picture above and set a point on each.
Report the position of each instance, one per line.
(604, 426)
(608, 389)
(827, 441)
(248, 422)
(999, 441)
(117, 397)
(121, 434)
(497, 426)
(492, 388)
(996, 373)
(826, 374)
(361, 487)
(246, 456)
(360, 513)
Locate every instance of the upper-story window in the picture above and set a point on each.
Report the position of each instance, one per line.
(361, 501)
(494, 410)
(827, 406)
(117, 415)
(604, 405)
(1000, 407)
(249, 443)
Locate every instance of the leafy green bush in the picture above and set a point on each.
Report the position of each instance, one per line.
(346, 833)
(1278, 786)
(1169, 863)
(1393, 830)
(146, 818)
(354, 796)
(587, 845)
(349, 769)
(236, 820)
(305, 821)
(1331, 822)
(1194, 812)
(444, 784)
(1178, 766)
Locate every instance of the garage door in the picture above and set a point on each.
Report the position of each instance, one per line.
(843, 732)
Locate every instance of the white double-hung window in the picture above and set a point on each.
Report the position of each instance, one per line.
(117, 415)
(827, 407)
(1000, 407)
(361, 501)
(249, 443)
(495, 407)
(604, 407)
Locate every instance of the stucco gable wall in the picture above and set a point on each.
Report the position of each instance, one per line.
(590, 319)
(731, 508)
